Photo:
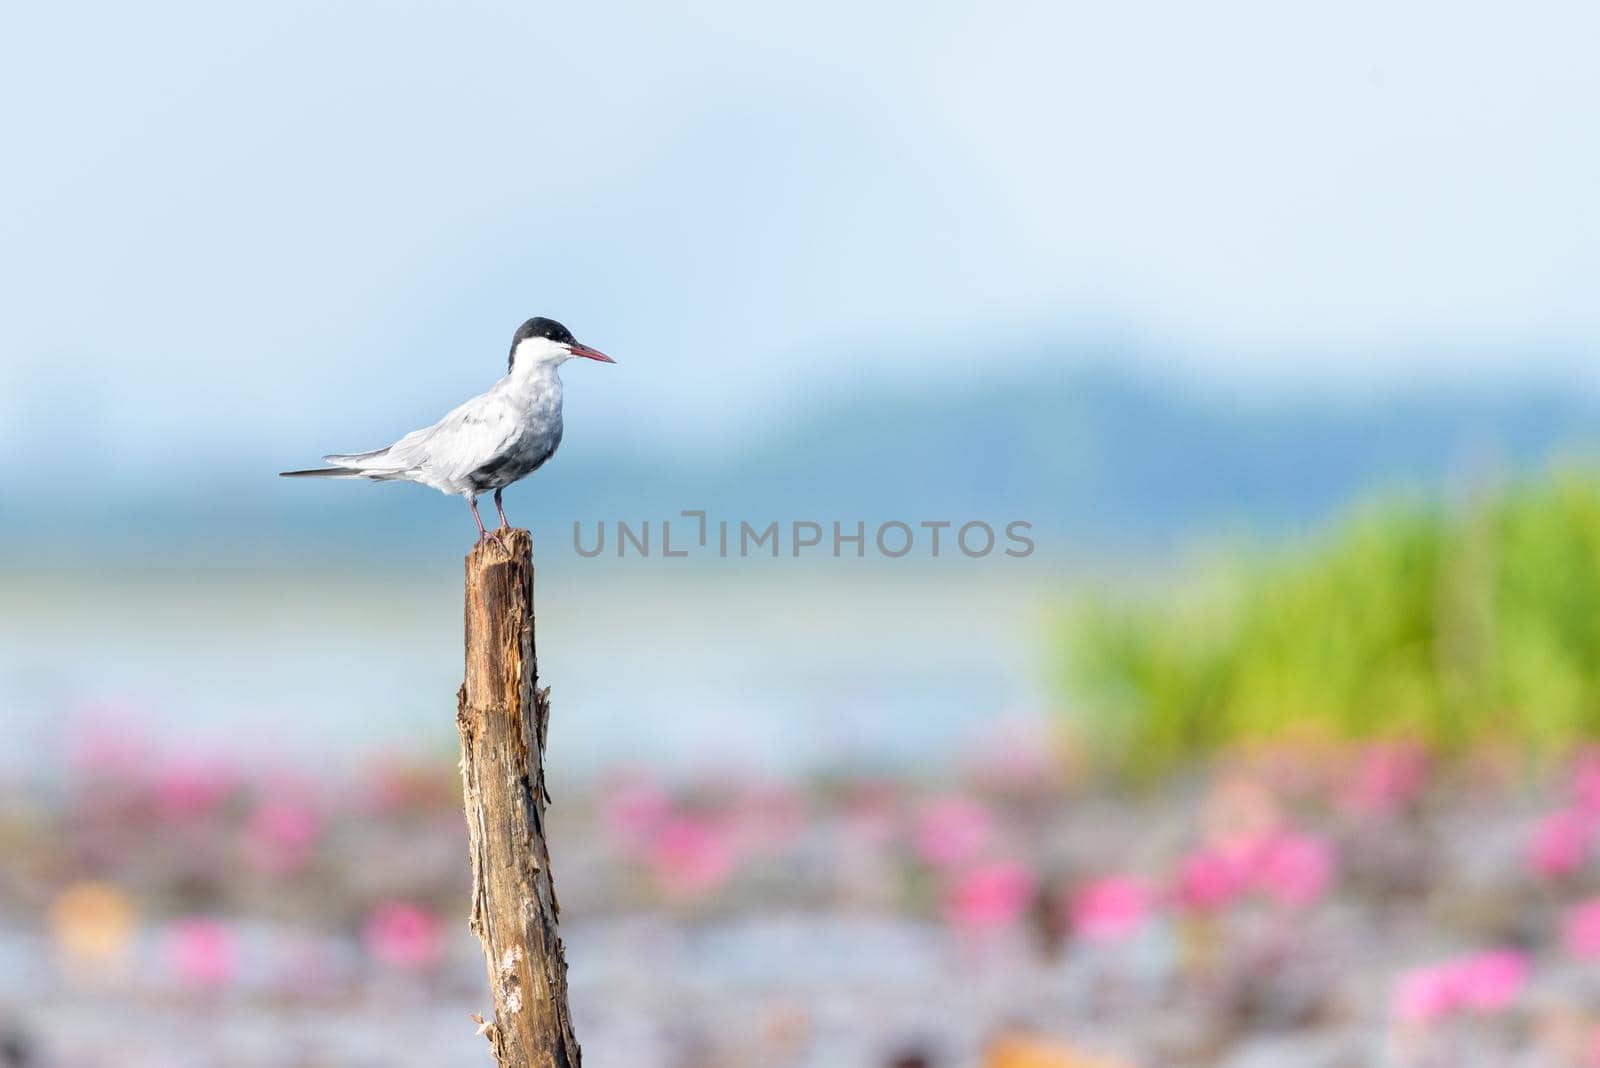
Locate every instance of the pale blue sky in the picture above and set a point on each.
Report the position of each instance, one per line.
(262, 233)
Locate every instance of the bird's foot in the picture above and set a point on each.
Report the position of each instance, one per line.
(493, 535)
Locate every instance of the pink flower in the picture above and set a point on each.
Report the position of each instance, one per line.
(403, 935)
(990, 896)
(1561, 843)
(1208, 880)
(280, 836)
(1486, 982)
(1580, 929)
(192, 787)
(1585, 780)
(1388, 776)
(1427, 995)
(1111, 909)
(951, 831)
(1491, 981)
(691, 856)
(633, 812)
(1293, 869)
(203, 952)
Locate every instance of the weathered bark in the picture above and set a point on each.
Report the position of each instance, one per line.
(503, 716)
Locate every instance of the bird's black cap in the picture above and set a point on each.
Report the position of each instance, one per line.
(538, 326)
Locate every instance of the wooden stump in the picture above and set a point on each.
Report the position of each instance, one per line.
(502, 717)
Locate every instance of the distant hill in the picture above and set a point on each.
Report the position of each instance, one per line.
(1094, 458)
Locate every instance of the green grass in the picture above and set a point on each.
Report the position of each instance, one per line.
(1448, 626)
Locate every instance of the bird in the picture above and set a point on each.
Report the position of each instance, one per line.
(500, 436)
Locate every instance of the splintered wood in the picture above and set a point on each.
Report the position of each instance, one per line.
(502, 717)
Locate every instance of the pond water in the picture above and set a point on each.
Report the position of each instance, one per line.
(782, 671)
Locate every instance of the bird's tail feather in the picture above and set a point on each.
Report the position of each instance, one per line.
(353, 459)
(324, 472)
(369, 465)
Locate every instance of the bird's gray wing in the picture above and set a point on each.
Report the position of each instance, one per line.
(467, 437)
(464, 440)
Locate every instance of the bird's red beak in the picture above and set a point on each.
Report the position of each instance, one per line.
(589, 354)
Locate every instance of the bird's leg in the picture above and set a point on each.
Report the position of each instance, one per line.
(505, 524)
(483, 535)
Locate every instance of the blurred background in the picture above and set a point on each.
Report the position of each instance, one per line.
(1276, 324)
